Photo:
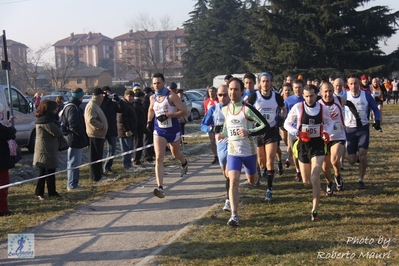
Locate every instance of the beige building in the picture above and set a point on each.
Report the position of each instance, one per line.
(88, 49)
(140, 54)
(87, 77)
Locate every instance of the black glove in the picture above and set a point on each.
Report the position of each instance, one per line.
(116, 98)
(359, 122)
(162, 118)
(218, 129)
(150, 127)
(377, 126)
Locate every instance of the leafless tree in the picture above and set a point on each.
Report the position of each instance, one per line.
(60, 75)
(25, 73)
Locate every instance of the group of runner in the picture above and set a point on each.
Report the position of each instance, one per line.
(317, 123)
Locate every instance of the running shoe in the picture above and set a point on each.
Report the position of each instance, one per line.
(226, 207)
(298, 177)
(215, 160)
(268, 195)
(315, 216)
(233, 221)
(280, 168)
(159, 193)
(361, 184)
(339, 182)
(184, 169)
(287, 163)
(330, 189)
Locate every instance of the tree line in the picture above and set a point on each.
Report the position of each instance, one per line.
(314, 38)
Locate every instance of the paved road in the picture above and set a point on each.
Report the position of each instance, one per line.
(127, 227)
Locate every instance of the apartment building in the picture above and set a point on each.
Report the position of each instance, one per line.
(16, 51)
(87, 49)
(140, 54)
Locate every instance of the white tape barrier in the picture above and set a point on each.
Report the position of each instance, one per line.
(194, 135)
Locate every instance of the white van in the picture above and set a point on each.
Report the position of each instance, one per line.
(23, 112)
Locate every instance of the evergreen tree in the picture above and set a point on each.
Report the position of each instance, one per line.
(216, 43)
(320, 36)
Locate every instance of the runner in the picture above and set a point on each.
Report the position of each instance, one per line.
(313, 130)
(269, 104)
(239, 129)
(167, 108)
(358, 139)
(213, 122)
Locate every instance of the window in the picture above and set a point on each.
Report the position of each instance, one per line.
(178, 40)
(79, 81)
(80, 55)
(19, 103)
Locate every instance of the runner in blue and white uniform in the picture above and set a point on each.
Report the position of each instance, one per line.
(167, 107)
(213, 122)
(358, 139)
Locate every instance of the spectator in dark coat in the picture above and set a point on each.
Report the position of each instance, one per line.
(46, 147)
(110, 108)
(148, 136)
(127, 127)
(141, 126)
(6, 162)
(76, 136)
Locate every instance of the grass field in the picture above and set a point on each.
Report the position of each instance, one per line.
(358, 227)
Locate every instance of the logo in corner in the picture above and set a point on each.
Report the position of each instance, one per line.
(235, 121)
(21, 246)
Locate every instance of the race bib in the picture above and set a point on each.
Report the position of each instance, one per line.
(268, 115)
(337, 128)
(165, 124)
(233, 133)
(313, 130)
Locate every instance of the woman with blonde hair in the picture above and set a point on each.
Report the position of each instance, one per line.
(46, 147)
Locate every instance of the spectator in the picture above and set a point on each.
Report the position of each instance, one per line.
(127, 127)
(6, 162)
(211, 101)
(110, 108)
(173, 87)
(136, 88)
(141, 126)
(149, 153)
(60, 104)
(76, 137)
(96, 129)
(46, 147)
(37, 98)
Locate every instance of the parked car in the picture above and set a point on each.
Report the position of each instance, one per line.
(23, 112)
(197, 110)
(52, 97)
(200, 92)
(189, 106)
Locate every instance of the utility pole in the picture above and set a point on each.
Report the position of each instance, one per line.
(6, 65)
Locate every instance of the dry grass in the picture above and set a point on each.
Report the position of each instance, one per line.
(281, 233)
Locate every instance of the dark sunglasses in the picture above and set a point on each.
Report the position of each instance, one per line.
(223, 95)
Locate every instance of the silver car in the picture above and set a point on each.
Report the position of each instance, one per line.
(197, 110)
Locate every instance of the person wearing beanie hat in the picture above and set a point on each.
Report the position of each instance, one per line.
(96, 129)
(76, 137)
(136, 88)
(6, 162)
(365, 85)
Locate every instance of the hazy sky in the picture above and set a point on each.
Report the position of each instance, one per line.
(37, 22)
